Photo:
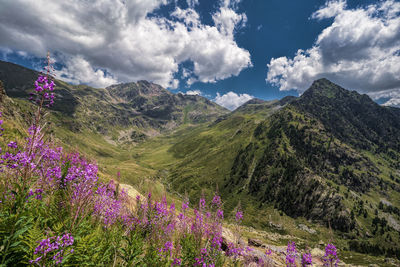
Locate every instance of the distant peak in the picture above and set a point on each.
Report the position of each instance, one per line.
(324, 83)
(322, 80)
(254, 101)
(144, 82)
(287, 100)
(324, 88)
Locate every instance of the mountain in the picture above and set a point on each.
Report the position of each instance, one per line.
(328, 138)
(125, 113)
(330, 157)
(327, 160)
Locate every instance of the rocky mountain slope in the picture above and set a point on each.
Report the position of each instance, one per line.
(326, 139)
(125, 113)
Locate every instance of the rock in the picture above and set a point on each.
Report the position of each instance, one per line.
(132, 193)
(276, 226)
(385, 202)
(228, 235)
(254, 242)
(317, 252)
(306, 229)
(391, 261)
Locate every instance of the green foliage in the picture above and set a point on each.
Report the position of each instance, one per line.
(189, 250)
(131, 250)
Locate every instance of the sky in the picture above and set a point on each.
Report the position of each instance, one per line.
(226, 50)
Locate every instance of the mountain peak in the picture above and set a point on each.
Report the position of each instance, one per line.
(354, 118)
(324, 88)
(141, 88)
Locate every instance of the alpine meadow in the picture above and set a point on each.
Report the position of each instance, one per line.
(200, 133)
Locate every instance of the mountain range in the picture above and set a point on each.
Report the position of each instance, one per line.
(329, 159)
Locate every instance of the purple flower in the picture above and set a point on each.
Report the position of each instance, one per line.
(12, 145)
(330, 258)
(54, 246)
(239, 216)
(38, 193)
(30, 193)
(185, 205)
(42, 89)
(216, 200)
(202, 203)
(177, 261)
(306, 259)
(68, 240)
(291, 254)
(220, 214)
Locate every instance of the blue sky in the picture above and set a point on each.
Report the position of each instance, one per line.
(215, 47)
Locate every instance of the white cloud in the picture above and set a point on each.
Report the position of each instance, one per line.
(79, 71)
(360, 50)
(394, 102)
(331, 9)
(118, 36)
(231, 100)
(226, 20)
(392, 95)
(174, 84)
(192, 3)
(193, 92)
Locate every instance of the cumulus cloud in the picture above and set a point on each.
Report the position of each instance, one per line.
(331, 9)
(393, 102)
(118, 37)
(78, 71)
(192, 3)
(360, 50)
(193, 92)
(392, 97)
(231, 100)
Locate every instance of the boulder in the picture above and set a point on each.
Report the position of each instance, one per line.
(255, 242)
(306, 229)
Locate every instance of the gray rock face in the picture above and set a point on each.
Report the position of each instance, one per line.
(307, 229)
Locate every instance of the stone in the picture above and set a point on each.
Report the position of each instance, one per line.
(306, 229)
(254, 242)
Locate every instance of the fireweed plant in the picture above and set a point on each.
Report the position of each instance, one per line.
(330, 258)
(306, 259)
(291, 254)
(55, 211)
